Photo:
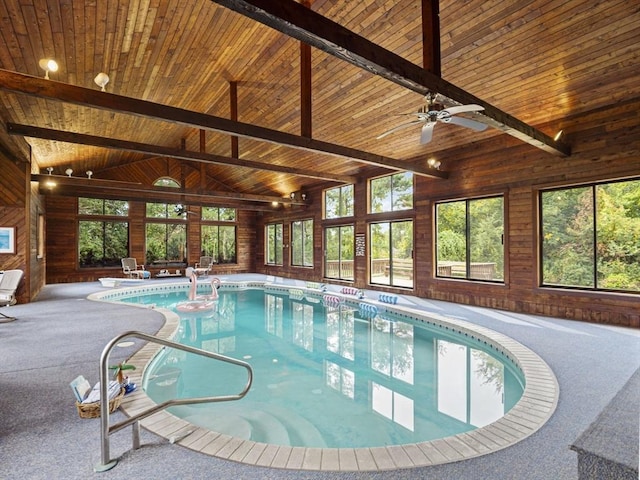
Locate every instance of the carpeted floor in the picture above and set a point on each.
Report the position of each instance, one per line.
(61, 336)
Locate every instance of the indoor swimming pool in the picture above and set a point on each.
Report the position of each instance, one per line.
(333, 371)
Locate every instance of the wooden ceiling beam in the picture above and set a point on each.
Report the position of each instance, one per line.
(80, 186)
(306, 116)
(38, 87)
(179, 153)
(297, 21)
(431, 36)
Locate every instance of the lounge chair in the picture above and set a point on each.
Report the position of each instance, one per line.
(131, 269)
(9, 281)
(203, 267)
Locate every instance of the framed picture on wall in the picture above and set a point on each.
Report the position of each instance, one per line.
(7, 239)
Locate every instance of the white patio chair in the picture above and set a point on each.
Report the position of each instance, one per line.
(131, 269)
(9, 282)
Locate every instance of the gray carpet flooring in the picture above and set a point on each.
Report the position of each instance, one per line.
(61, 335)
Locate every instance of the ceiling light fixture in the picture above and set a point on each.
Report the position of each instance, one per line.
(48, 65)
(101, 80)
(433, 163)
(558, 136)
(68, 171)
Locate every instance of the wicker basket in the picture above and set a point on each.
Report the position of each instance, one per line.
(92, 410)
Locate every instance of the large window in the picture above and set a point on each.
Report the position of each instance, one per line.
(273, 247)
(391, 253)
(217, 237)
(219, 242)
(165, 238)
(219, 214)
(391, 193)
(469, 239)
(302, 243)
(102, 239)
(338, 247)
(591, 236)
(338, 202)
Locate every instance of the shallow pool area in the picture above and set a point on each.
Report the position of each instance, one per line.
(421, 388)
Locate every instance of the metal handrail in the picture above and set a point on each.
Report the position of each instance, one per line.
(106, 429)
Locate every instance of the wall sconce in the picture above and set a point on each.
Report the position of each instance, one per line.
(292, 195)
(101, 80)
(274, 204)
(558, 136)
(48, 65)
(89, 173)
(68, 171)
(49, 169)
(303, 196)
(433, 163)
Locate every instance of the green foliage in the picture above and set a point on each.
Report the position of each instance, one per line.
(471, 231)
(578, 238)
(338, 202)
(391, 193)
(302, 243)
(102, 243)
(274, 236)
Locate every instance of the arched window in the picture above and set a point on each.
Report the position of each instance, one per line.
(166, 182)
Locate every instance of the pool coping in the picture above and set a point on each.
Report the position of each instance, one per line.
(537, 404)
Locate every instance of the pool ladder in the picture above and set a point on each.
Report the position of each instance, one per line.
(105, 429)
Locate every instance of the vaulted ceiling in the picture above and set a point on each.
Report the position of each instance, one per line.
(534, 62)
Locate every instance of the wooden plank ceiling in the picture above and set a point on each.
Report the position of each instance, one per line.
(538, 61)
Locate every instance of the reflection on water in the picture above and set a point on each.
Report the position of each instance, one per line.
(325, 376)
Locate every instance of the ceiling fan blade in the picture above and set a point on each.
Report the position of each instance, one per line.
(463, 108)
(399, 127)
(466, 122)
(427, 132)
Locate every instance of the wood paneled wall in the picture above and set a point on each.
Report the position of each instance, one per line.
(606, 146)
(62, 226)
(17, 202)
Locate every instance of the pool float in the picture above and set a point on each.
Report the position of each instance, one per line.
(215, 284)
(199, 303)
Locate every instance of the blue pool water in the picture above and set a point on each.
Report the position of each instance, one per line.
(328, 376)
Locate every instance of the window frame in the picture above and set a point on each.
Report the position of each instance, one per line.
(278, 246)
(597, 245)
(341, 202)
(392, 193)
(166, 220)
(480, 270)
(304, 225)
(340, 251)
(105, 219)
(390, 247)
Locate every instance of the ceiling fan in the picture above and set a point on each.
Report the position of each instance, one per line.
(181, 210)
(434, 112)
